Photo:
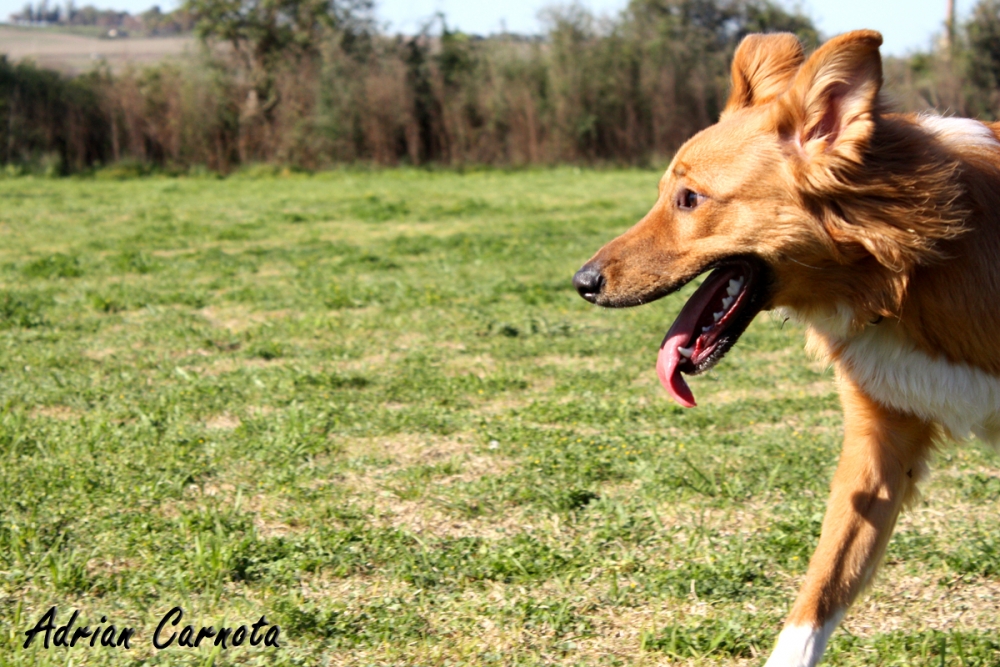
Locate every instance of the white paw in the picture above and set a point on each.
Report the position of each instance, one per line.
(802, 645)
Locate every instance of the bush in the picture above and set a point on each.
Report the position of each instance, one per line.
(628, 90)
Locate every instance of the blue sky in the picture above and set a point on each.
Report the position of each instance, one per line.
(906, 25)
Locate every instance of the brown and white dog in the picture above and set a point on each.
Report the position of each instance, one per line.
(880, 232)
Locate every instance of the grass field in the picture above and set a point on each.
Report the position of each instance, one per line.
(57, 48)
(370, 407)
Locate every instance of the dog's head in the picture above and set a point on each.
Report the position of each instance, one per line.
(761, 199)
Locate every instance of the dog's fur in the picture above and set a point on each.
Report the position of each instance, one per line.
(879, 231)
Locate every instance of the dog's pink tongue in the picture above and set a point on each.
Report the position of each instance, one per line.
(682, 332)
(667, 362)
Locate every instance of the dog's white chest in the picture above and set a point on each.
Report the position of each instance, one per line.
(894, 372)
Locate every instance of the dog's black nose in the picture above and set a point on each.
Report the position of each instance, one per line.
(588, 281)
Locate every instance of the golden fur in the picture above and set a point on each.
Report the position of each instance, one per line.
(864, 219)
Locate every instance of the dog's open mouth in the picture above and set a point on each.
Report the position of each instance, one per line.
(710, 324)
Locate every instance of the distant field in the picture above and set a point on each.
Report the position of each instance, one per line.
(78, 53)
(371, 407)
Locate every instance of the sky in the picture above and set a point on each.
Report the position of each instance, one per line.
(906, 25)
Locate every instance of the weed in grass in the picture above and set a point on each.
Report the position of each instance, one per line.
(54, 266)
(109, 302)
(930, 648)
(135, 261)
(266, 350)
(333, 380)
(67, 571)
(373, 208)
(388, 621)
(737, 636)
(716, 570)
(978, 553)
(23, 309)
(980, 487)
(336, 296)
(561, 617)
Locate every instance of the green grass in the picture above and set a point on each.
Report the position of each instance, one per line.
(371, 407)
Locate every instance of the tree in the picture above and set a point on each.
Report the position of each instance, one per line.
(261, 31)
(983, 31)
(267, 35)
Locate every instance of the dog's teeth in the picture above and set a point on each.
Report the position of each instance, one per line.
(718, 315)
(706, 329)
(728, 301)
(734, 287)
(686, 351)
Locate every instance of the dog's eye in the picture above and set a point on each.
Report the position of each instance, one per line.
(688, 200)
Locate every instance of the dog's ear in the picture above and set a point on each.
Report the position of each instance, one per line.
(830, 109)
(763, 68)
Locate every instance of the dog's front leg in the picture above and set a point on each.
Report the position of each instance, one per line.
(884, 451)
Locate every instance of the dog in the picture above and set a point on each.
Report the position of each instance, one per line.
(879, 231)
